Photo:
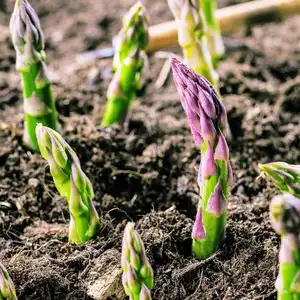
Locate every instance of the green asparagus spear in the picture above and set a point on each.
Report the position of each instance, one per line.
(7, 287)
(129, 63)
(286, 177)
(71, 183)
(208, 122)
(215, 41)
(137, 272)
(285, 218)
(28, 40)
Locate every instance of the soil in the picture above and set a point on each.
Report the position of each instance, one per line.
(148, 172)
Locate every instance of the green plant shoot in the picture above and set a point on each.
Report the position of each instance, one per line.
(129, 64)
(28, 40)
(72, 184)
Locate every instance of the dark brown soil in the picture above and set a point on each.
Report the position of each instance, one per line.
(147, 174)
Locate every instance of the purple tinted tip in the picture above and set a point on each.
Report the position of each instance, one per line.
(222, 151)
(198, 229)
(285, 253)
(216, 204)
(208, 130)
(199, 178)
(205, 112)
(186, 77)
(208, 165)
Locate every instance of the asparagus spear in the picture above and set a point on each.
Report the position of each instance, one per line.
(28, 40)
(285, 219)
(129, 63)
(285, 176)
(7, 287)
(215, 41)
(192, 38)
(208, 120)
(71, 183)
(137, 272)
(231, 19)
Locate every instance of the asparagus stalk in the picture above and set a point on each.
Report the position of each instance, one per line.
(215, 41)
(137, 272)
(286, 177)
(208, 120)
(28, 41)
(7, 287)
(72, 184)
(129, 64)
(285, 219)
(231, 19)
(192, 31)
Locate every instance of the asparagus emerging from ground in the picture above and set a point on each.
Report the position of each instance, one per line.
(71, 183)
(129, 64)
(286, 177)
(137, 273)
(208, 120)
(7, 287)
(285, 218)
(192, 37)
(215, 41)
(29, 44)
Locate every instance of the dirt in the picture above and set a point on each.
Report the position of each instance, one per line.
(148, 173)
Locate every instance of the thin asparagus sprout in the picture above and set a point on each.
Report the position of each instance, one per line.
(192, 38)
(28, 40)
(286, 177)
(285, 219)
(72, 184)
(7, 287)
(208, 120)
(129, 64)
(137, 273)
(215, 41)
